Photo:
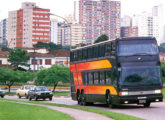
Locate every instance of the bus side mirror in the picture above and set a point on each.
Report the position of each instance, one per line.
(163, 72)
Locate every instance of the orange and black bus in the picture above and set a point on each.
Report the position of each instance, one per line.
(121, 71)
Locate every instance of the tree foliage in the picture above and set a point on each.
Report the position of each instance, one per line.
(10, 77)
(102, 38)
(50, 46)
(53, 75)
(18, 57)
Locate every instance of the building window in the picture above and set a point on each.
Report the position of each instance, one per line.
(48, 62)
(34, 62)
(40, 61)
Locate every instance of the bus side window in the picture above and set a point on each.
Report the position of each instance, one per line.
(79, 55)
(113, 48)
(96, 78)
(85, 54)
(95, 52)
(90, 53)
(75, 56)
(108, 77)
(102, 77)
(90, 78)
(108, 49)
(83, 77)
(101, 51)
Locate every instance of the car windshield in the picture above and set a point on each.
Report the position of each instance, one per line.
(137, 49)
(42, 89)
(28, 87)
(140, 75)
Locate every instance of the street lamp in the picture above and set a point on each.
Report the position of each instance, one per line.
(69, 29)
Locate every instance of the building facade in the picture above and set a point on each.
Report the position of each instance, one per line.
(53, 31)
(99, 17)
(150, 24)
(28, 25)
(64, 34)
(76, 36)
(3, 32)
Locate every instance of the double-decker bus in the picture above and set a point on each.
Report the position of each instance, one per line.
(121, 71)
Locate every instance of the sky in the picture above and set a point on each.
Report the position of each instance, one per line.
(65, 7)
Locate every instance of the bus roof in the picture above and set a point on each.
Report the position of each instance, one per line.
(92, 45)
(117, 39)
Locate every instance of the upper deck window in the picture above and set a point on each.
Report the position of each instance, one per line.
(141, 47)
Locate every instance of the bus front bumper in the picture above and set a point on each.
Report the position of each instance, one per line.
(140, 99)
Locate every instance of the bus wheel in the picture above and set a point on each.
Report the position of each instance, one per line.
(147, 104)
(108, 100)
(79, 98)
(83, 101)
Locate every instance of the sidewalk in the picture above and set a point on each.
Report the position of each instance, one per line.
(76, 114)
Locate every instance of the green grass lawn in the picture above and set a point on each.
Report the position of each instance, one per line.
(15, 111)
(116, 116)
(61, 93)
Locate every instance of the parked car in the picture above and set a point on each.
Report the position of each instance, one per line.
(2, 93)
(40, 92)
(23, 91)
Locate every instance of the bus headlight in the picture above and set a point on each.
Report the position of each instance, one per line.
(123, 93)
(158, 91)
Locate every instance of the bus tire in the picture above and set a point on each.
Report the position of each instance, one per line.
(83, 100)
(109, 100)
(79, 98)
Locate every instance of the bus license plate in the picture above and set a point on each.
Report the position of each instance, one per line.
(142, 101)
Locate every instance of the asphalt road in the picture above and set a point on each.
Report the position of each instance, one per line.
(155, 112)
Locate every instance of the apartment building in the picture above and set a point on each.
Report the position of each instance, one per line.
(28, 25)
(99, 17)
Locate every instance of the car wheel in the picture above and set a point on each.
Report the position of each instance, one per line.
(35, 98)
(147, 104)
(50, 98)
(30, 98)
(19, 96)
(2, 96)
(27, 96)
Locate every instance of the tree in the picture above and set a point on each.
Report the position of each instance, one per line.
(102, 38)
(18, 57)
(53, 75)
(10, 77)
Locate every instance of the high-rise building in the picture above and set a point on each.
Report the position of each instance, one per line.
(99, 17)
(53, 30)
(64, 34)
(126, 21)
(3, 32)
(150, 24)
(127, 30)
(28, 25)
(158, 30)
(76, 34)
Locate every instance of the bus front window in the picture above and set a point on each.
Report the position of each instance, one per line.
(128, 49)
(140, 75)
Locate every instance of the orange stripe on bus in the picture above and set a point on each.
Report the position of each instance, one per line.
(97, 89)
(101, 64)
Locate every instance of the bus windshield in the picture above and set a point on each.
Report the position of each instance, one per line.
(130, 48)
(140, 75)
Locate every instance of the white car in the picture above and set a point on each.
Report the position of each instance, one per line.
(23, 91)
